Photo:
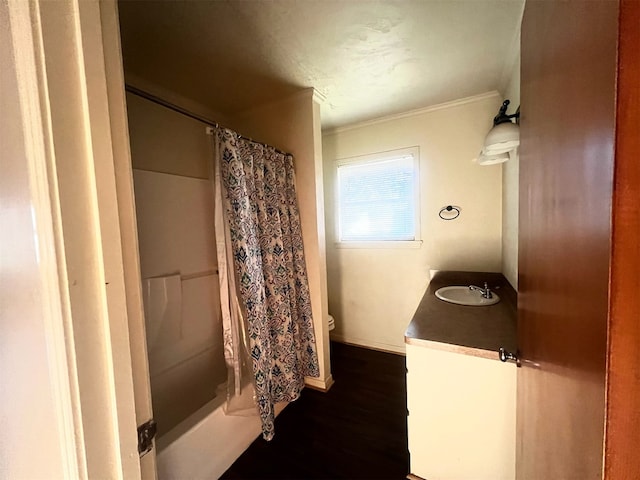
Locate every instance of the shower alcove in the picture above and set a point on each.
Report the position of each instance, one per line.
(171, 155)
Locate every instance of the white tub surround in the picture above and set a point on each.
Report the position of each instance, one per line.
(207, 443)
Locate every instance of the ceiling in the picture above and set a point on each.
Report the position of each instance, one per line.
(368, 58)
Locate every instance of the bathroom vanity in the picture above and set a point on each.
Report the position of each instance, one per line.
(461, 398)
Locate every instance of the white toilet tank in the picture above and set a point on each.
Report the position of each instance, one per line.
(332, 323)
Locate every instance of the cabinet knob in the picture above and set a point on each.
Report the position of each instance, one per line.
(506, 356)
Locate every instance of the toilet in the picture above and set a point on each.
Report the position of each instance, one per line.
(332, 323)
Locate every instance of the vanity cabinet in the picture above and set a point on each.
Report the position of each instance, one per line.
(461, 415)
(461, 399)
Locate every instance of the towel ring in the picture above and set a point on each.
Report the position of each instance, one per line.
(450, 212)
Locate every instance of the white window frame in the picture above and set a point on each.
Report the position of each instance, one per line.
(374, 158)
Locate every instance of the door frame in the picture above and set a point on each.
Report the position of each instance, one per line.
(104, 327)
(68, 61)
(622, 419)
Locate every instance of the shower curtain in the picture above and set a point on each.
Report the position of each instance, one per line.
(263, 241)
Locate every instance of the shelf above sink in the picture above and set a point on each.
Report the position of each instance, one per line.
(463, 295)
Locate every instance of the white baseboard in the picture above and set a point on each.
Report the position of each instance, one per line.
(359, 342)
(318, 384)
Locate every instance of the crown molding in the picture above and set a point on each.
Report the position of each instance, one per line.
(413, 113)
(319, 97)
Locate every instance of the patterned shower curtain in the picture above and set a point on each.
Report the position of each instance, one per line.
(258, 186)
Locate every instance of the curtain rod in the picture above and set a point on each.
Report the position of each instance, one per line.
(187, 113)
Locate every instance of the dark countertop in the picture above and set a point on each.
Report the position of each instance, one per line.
(478, 331)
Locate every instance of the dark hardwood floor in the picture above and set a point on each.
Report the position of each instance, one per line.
(358, 429)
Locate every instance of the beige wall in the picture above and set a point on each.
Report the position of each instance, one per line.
(373, 292)
(165, 141)
(510, 198)
(293, 125)
(187, 103)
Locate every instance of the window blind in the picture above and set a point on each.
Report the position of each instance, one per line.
(377, 200)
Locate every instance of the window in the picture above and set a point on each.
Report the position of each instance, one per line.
(378, 197)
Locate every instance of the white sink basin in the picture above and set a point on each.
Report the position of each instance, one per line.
(462, 295)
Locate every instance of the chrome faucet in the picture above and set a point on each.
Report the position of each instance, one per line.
(485, 292)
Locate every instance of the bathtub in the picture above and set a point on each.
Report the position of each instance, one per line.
(207, 443)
